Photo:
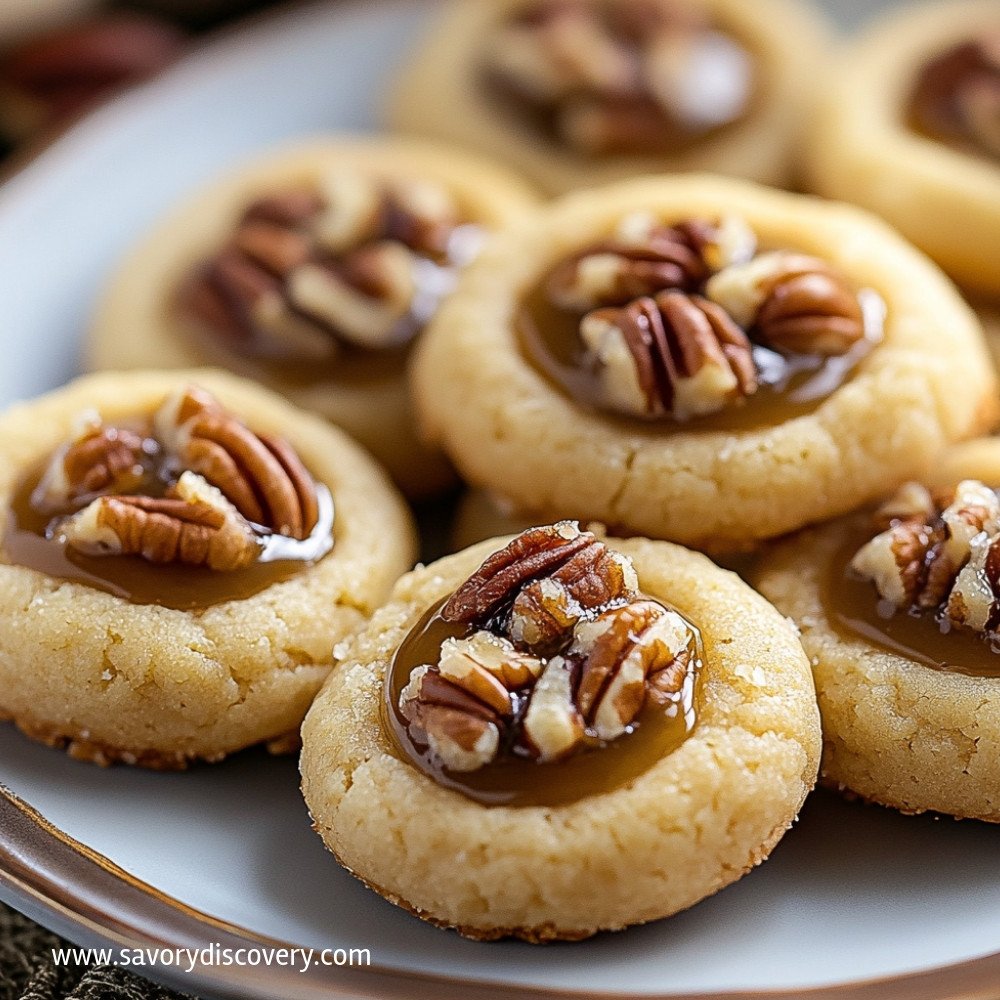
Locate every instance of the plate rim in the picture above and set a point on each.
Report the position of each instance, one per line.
(82, 895)
(75, 891)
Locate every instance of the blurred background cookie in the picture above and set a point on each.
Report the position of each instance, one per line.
(581, 92)
(313, 270)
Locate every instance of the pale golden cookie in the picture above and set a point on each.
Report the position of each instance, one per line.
(200, 646)
(897, 729)
(691, 822)
(941, 191)
(742, 116)
(592, 437)
(344, 233)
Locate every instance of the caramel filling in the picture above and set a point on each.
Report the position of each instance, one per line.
(691, 325)
(331, 283)
(609, 78)
(789, 386)
(854, 609)
(515, 778)
(185, 510)
(956, 97)
(29, 541)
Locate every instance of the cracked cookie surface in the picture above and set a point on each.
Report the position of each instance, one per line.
(140, 683)
(694, 822)
(510, 430)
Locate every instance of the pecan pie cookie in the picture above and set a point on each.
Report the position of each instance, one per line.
(899, 613)
(180, 553)
(700, 360)
(312, 271)
(910, 127)
(560, 734)
(582, 92)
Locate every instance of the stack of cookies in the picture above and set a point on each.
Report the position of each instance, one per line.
(667, 367)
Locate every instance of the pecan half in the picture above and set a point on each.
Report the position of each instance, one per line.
(358, 260)
(645, 257)
(96, 459)
(461, 706)
(791, 302)
(192, 524)
(580, 565)
(260, 475)
(624, 653)
(674, 354)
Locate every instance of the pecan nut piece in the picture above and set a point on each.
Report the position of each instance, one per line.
(645, 257)
(461, 706)
(623, 654)
(96, 459)
(917, 560)
(675, 354)
(546, 610)
(354, 261)
(553, 727)
(192, 524)
(791, 302)
(260, 475)
(555, 49)
(974, 600)
(365, 299)
(588, 573)
(957, 96)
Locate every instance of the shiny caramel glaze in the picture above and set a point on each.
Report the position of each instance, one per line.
(598, 768)
(29, 541)
(790, 385)
(854, 610)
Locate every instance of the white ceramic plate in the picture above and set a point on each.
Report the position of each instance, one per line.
(851, 894)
